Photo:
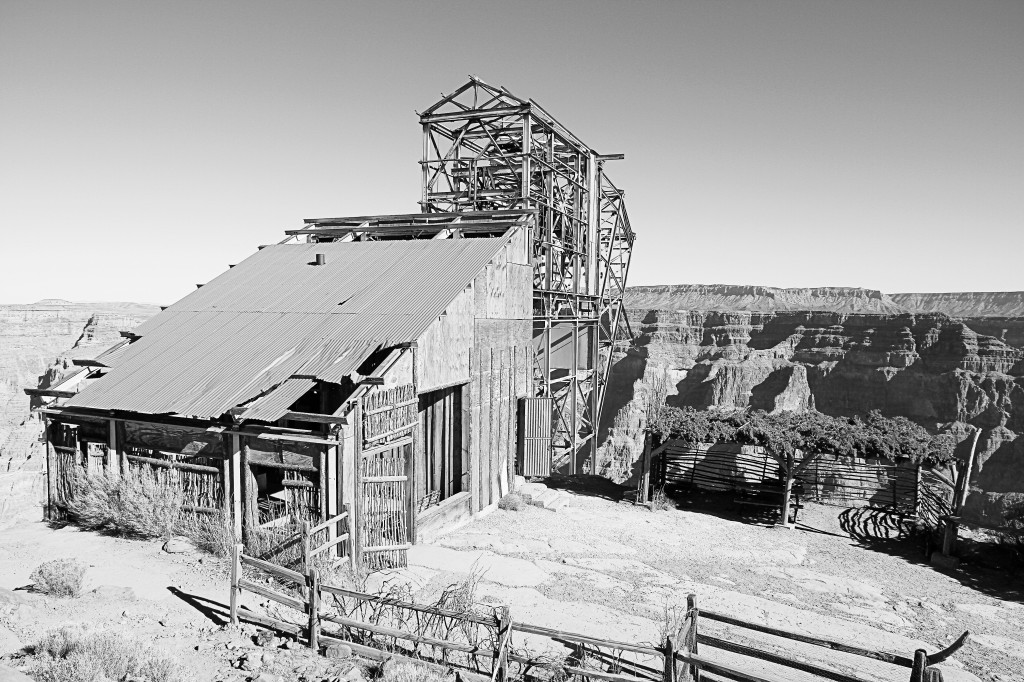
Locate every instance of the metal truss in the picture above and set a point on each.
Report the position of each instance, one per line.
(484, 149)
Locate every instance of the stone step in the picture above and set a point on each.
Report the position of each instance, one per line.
(531, 491)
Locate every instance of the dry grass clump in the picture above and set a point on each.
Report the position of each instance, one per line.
(210, 533)
(660, 501)
(137, 504)
(71, 654)
(511, 502)
(59, 577)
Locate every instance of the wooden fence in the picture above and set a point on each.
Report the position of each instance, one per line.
(828, 480)
(481, 646)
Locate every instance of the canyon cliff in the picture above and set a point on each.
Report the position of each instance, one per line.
(37, 343)
(944, 360)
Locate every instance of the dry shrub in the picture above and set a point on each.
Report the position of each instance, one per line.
(458, 598)
(210, 533)
(660, 501)
(59, 577)
(71, 654)
(137, 504)
(673, 622)
(277, 544)
(511, 502)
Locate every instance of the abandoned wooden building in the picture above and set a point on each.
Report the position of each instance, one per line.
(404, 368)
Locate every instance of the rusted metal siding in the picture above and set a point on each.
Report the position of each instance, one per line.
(535, 436)
(276, 315)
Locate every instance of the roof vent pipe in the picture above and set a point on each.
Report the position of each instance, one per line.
(321, 259)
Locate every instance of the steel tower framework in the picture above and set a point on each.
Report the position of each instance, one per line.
(484, 149)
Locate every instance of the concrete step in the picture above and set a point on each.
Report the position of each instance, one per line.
(531, 491)
(545, 500)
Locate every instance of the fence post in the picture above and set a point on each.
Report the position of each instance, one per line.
(500, 671)
(313, 579)
(351, 539)
(920, 663)
(236, 573)
(51, 472)
(645, 477)
(670, 660)
(917, 491)
(305, 549)
(691, 634)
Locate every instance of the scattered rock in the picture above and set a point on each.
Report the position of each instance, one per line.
(339, 651)
(178, 546)
(266, 638)
(944, 561)
(267, 677)
(114, 593)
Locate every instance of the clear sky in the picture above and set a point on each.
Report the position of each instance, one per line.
(876, 143)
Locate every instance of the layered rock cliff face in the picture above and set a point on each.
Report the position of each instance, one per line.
(842, 352)
(37, 344)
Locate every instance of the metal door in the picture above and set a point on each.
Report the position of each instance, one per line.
(535, 436)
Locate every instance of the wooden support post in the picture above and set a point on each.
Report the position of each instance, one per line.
(670, 660)
(920, 663)
(949, 536)
(691, 635)
(917, 491)
(965, 477)
(236, 486)
(313, 578)
(321, 471)
(787, 492)
(333, 462)
(356, 522)
(113, 459)
(499, 673)
(644, 493)
(236, 573)
(306, 548)
(51, 472)
(350, 544)
(250, 515)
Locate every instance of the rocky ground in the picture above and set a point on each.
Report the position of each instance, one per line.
(176, 602)
(596, 566)
(609, 569)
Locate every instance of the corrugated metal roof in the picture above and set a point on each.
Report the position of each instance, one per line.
(273, 405)
(277, 314)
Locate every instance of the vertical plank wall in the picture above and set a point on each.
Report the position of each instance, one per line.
(484, 341)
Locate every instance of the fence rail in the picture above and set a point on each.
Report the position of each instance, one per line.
(676, 660)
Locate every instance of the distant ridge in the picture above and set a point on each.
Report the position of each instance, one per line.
(760, 298)
(851, 300)
(966, 303)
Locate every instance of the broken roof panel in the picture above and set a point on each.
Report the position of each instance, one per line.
(277, 314)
